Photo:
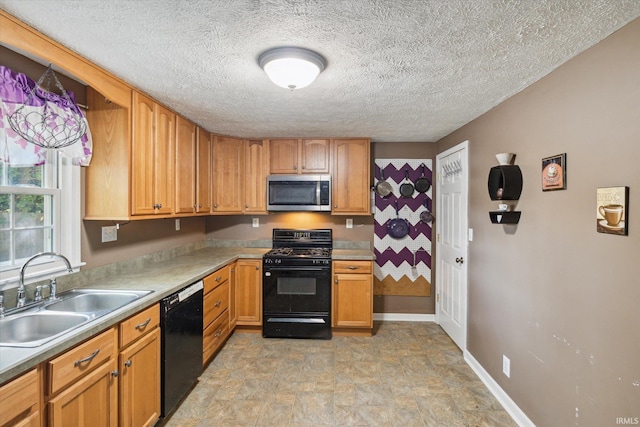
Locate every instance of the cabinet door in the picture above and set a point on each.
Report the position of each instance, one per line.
(228, 161)
(185, 166)
(352, 300)
(203, 171)
(20, 401)
(256, 154)
(142, 155)
(92, 401)
(350, 182)
(164, 160)
(233, 313)
(152, 146)
(249, 292)
(140, 382)
(284, 156)
(315, 155)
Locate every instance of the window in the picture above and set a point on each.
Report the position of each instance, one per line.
(39, 212)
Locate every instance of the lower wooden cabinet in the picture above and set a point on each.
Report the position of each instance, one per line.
(112, 379)
(352, 305)
(91, 401)
(139, 365)
(249, 292)
(216, 312)
(20, 401)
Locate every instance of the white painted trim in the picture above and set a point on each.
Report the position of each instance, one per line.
(509, 405)
(404, 317)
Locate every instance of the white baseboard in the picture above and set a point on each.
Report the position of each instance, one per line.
(404, 317)
(509, 405)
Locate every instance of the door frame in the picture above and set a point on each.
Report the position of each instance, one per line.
(464, 145)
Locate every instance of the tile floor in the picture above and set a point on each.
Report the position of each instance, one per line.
(407, 374)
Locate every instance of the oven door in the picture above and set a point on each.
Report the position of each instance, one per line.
(296, 290)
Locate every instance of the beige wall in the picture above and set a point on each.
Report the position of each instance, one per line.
(559, 299)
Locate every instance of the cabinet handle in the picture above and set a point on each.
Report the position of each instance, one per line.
(128, 363)
(304, 167)
(246, 206)
(89, 358)
(295, 168)
(353, 267)
(335, 206)
(115, 374)
(218, 278)
(215, 205)
(217, 304)
(218, 333)
(141, 326)
(159, 205)
(335, 281)
(257, 268)
(200, 205)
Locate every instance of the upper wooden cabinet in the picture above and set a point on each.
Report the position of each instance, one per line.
(256, 157)
(297, 156)
(203, 171)
(185, 166)
(350, 177)
(152, 150)
(228, 185)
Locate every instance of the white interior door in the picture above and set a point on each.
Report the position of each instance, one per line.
(451, 242)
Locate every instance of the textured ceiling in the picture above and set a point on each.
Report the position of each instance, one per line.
(398, 70)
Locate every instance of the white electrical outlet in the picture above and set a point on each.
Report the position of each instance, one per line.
(177, 224)
(506, 366)
(255, 222)
(471, 234)
(349, 222)
(109, 233)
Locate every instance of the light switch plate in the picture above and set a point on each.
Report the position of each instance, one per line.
(255, 222)
(349, 222)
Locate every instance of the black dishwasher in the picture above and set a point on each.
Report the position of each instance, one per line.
(181, 323)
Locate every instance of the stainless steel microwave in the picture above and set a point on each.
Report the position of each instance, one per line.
(299, 193)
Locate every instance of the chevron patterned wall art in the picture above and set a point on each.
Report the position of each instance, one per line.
(403, 266)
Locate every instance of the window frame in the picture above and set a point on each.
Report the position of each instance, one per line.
(65, 177)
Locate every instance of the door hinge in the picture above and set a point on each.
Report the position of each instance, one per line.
(438, 297)
(438, 237)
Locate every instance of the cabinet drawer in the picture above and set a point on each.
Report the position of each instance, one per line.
(139, 324)
(79, 361)
(215, 302)
(215, 279)
(20, 397)
(360, 267)
(214, 335)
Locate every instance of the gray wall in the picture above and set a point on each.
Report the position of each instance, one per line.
(559, 299)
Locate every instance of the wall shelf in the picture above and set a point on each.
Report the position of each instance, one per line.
(505, 184)
(504, 217)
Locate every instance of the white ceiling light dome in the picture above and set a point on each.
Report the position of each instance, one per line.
(292, 67)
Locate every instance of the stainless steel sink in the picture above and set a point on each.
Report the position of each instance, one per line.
(94, 301)
(45, 321)
(31, 329)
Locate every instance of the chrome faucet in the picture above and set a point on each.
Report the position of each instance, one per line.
(21, 297)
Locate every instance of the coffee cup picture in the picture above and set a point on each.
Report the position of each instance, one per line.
(612, 213)
(611, 210)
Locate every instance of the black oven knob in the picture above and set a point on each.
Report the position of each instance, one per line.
(278, 261)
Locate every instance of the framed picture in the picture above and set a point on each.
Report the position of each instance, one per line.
(611, 210)
(554, 172)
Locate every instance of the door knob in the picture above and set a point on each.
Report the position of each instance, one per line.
(460, 260)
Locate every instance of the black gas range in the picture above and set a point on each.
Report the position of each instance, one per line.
(297, 284)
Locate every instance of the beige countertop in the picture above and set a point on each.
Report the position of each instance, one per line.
(163, 278)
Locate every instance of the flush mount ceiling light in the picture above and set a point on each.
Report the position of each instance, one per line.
(292, 67)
